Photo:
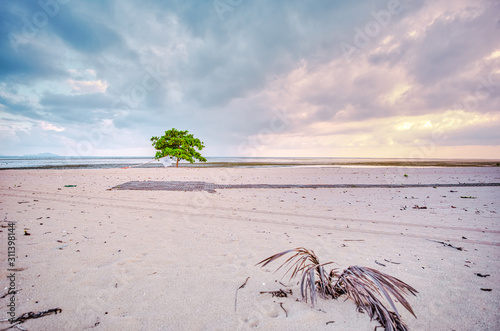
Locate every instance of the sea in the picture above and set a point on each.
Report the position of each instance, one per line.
(35, 162)
(59, 162)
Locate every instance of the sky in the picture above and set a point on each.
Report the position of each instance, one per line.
(286, 78)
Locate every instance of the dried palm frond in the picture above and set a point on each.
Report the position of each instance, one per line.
(365, 286)
(306, 262)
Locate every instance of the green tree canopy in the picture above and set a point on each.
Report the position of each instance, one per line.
(178, 144)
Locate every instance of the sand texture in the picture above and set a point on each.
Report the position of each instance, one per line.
(121, 259)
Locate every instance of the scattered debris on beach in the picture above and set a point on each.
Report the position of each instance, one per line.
(446, 244)
(280, 293)
(26, 316)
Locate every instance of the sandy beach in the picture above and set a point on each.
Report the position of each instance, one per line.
(119, 259)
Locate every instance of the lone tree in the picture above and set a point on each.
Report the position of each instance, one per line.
(178, 144)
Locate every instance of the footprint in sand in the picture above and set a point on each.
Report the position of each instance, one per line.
(252, 322)
(254, 309)
(231, 263)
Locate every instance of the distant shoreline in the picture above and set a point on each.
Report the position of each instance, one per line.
(297, 163)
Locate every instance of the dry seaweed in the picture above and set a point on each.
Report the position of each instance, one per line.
(26, 316)
(280, 293)
(365, 286)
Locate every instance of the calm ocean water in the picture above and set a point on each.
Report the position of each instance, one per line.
(147, 162)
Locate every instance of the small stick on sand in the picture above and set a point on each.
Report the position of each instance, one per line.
(281, 305)
(446, 244)
(392, 262)
(236, 296)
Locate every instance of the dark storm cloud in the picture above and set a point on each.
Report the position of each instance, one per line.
(258, 40)
(454, 42)
(83, 33)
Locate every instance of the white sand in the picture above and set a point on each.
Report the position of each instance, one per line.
(162, 260)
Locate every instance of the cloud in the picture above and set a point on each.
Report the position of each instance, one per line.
(50, 127)
(93, 101)
(14, 124)
(150, 66)
(87, 87)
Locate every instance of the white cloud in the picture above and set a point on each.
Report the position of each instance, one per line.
(87, 87)
(50, 127)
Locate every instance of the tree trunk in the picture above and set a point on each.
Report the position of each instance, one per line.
(177, 163)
